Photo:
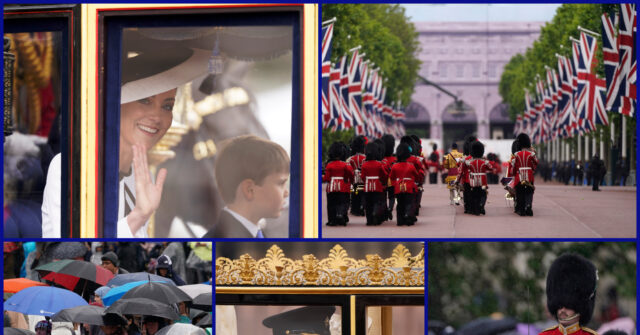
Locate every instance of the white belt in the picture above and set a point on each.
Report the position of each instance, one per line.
(374, 177)
(336, 178)
(525, 168)
(477, 173)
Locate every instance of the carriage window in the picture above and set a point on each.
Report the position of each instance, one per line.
(207, 116)
(277, 319)
(33, 102)
(395, 320)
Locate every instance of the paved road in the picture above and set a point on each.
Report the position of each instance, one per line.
(559, 211)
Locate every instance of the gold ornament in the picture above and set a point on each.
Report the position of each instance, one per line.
(337, 270)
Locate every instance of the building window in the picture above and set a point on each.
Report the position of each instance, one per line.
(442, 68)
(460, 70)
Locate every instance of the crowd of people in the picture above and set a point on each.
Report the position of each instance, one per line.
(180, 264)
(592, 172)
(369, 177)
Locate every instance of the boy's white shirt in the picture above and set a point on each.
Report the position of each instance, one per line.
(250, 226)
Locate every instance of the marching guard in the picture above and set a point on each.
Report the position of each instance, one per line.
(356, 160)
(463, 178)
(405, 178)
(339, 176)
(524, 167)
(374, 175)
(476, 170)
(388, 160)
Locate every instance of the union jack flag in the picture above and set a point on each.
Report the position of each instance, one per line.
(611, 60)
(355, 94)
(565, 106)
(327, 36)
(576, 97)
(337, 119)
(348, 118)
(627, 52)
(591, 110)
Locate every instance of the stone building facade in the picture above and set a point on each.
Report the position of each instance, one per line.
(466, 59)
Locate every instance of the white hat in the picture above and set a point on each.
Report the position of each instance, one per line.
(149, 73)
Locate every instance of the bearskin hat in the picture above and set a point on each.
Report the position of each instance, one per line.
(466, 147)
(357, 144)
(403, 152)
(571, 283)
(389, 143)
(477, 149)
(372, 151)
(515, 146)
(380, 145)
(336, 151)
(524, 140)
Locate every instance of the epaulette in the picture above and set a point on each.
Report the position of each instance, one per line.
(549, 329)
(589, 330)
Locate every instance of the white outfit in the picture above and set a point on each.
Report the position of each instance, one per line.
(51, 199)
(52, 196)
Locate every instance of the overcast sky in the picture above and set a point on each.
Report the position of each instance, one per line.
(480, 12)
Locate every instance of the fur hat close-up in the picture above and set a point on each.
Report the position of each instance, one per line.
(571, 283)
(477, 149)
(524, 140)
(357, 144)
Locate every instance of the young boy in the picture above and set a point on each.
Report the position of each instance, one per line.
(252, 176)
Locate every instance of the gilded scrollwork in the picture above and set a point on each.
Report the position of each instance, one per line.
(337, 270)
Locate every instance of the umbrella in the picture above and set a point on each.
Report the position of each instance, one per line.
(161, 292)
(135, 276)
(207, 321)
(487, 326)
(18, 284)
(79, 276)
(203, 301)
(88, 314)
(196, 289)
(143, 306)
(17, 331)
(43, 300)
(117, 292)
(181, 329)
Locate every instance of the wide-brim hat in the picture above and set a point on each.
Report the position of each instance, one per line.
(310, 319)
(151, 72)
(571, 283)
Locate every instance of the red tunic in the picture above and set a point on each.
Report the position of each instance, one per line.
(524, 166)
(496, 168)
(374, 175)
(339, 175)
(570, 330)
(403, 177)
(417, 164)
(356, 163)
(464, 177)
(476, 170)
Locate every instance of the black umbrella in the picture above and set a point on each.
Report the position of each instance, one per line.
(143, 306)
(89, 314)
(203, 301)
(161, 292)
(207, 321)
(17, 331)
(487, 326)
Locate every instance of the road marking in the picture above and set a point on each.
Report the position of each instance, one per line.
(573, 216)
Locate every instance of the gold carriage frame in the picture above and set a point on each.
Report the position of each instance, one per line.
(338, 279)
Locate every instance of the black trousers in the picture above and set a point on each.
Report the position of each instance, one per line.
(391, 199)
(596, 183)
(374, 207)
(433, 178)
(357, 203)
(477, 197)
(466, 197)
(337, 207)
(404, 209)
(524, 196)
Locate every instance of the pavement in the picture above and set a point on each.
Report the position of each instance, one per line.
(559, 211)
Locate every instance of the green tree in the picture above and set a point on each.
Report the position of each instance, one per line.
(387, 37)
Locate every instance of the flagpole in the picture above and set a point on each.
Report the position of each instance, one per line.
(324, 23)
(579, 148)
(587, 31)
(624, 137)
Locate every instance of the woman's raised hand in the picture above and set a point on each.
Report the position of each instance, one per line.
(148, 194)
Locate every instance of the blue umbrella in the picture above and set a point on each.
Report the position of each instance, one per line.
(136, 276)
(43, 300)
(117, 292)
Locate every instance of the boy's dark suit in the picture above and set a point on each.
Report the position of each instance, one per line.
(228, 227)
